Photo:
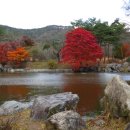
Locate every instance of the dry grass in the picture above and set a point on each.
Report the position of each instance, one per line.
(22, 121)
(6, 124)
(108, 123)
(37, 65)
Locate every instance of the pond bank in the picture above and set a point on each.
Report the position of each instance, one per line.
(109, 68)
(41, 70)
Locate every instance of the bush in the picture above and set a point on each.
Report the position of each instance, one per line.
(128, 60)
(52, 64)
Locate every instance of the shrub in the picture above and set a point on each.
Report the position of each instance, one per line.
(128, 59)
(52, 64)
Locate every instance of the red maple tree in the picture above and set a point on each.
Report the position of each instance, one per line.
(81, 49)
(4, 48)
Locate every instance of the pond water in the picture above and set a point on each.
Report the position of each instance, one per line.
(89, 86)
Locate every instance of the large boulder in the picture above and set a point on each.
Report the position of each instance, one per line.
(67, 120)
(45, 106)
(10, 107)
(117, 98)
(127, 127)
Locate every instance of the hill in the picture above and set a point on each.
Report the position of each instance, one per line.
(48, 40)
(40, 35)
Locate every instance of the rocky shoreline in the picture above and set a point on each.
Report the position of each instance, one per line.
(109, 68)
(57, 110)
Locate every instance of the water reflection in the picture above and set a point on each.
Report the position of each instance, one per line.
(89, 96)
(44, 79)
(88, 86)
(22, 92)
(13, 92)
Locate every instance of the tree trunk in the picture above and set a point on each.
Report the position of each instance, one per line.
(108, 54)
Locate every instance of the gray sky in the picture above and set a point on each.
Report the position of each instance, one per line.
(39, 13)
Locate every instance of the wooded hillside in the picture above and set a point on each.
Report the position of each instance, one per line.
(40, 35)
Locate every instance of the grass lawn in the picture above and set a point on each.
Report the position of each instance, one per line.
(46, 65)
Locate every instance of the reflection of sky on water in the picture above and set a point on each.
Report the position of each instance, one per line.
(57, 79)
(104, 78)
(32, 79)
(125, 77)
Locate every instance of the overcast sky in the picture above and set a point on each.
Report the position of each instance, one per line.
(40, 13)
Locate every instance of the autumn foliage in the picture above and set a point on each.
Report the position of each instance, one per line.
(81, 49)
(126, 49)
(18, 56)
(4, 48)
(12, 53)
(26, 41)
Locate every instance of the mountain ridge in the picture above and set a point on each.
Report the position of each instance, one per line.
(44, 34)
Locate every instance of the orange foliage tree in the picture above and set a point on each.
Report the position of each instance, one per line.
(18, 57)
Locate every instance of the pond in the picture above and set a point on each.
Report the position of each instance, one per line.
(89, 86)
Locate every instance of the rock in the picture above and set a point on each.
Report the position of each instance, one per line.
(12, 70)
(66, 120)
(108, 69)
(10, 107)
(125, 64)
(1, 111)
(1, 68)
(117, 98)
(113, 67)
(127, 127)
(7, 68)
(99, 122)
(119, 68)
(116, 67)
(45, 106)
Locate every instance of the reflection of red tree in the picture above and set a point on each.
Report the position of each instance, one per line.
(19, 92)
(89, 96)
